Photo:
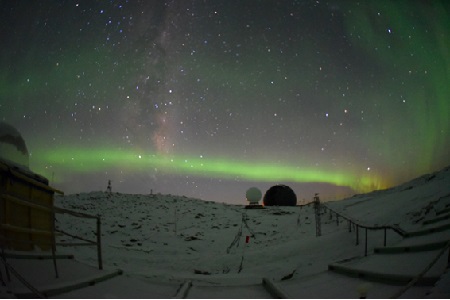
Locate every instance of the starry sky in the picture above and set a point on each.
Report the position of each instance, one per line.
(209, 98)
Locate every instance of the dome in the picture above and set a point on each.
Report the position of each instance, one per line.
(12, 146)
(253, 195)
(280, 195)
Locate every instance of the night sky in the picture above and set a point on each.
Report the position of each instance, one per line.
(208, 98)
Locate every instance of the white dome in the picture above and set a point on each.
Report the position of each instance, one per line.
(12, 146)
(253, 195)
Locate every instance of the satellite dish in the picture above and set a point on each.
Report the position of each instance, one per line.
(253, 195)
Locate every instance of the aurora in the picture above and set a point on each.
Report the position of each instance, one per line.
(90, 161)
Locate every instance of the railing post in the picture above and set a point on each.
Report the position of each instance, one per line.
(99, 244)
(54, 244)
(365, 248)
(448, 259)
(349, 226)
(357, 235)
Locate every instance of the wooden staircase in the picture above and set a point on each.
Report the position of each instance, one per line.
(428, 247)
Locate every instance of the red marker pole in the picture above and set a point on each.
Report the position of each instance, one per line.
(247, 239)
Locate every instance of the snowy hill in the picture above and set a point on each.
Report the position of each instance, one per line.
(404, 205)
(170, 239)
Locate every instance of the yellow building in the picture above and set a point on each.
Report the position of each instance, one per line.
(26, 199)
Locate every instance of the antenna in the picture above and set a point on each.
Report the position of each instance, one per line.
(317, 214)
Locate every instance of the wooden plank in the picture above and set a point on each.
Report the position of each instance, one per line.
(26, 203)
(274, 289)
(183, 290)
(9, 227)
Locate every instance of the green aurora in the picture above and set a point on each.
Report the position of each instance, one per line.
(418, 54)
(92, 161)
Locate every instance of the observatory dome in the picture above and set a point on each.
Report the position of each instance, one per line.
(280, 195)
(253, 195)
(12, 146)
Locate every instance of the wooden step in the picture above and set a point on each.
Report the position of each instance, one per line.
(40, 274)
(437, 219)
(412, 248)
(58, 289)
(389, 278)
(25, 255)
(428, 230)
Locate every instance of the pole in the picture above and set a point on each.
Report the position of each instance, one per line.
(317, 215)
(357, 235)
(176, 218)
(54, 246)
(365, 248)
(385, 234)
(448, 259)
(99, 244)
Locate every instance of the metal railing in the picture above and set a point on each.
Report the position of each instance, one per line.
(53, 210)
(357, 225)
(396, 229)
(87, 242)
(54, 231)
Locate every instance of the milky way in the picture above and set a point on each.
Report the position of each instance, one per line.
(208, 98)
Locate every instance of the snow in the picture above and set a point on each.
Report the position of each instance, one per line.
(143, 234)
(12, 146)
(164, 241)
(6, 129)
(410, 199)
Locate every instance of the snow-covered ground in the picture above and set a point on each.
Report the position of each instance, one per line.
(163, 241)
(168, 237)
(405, 205)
